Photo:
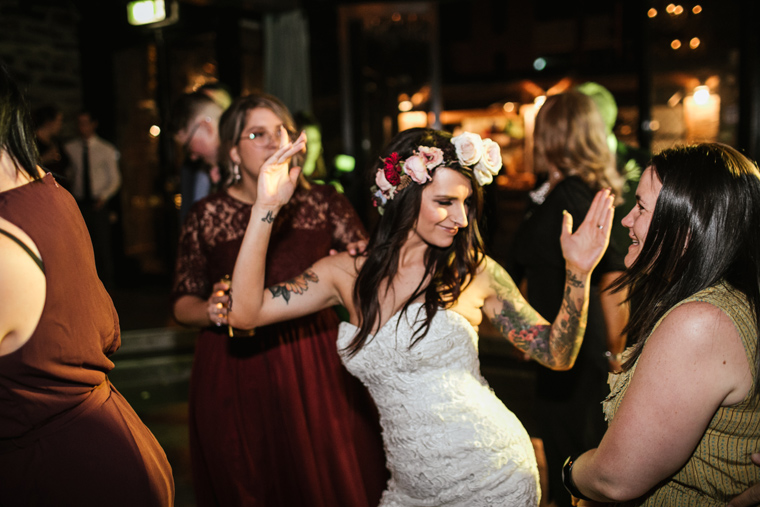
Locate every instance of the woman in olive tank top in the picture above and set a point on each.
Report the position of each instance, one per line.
(684, 414)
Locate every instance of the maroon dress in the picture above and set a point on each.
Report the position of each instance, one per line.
(67, 437)
(275, 419)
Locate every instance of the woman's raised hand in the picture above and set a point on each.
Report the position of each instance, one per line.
(277, 180)
(584, 248)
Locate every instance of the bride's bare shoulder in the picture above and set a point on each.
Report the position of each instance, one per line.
(343, 265)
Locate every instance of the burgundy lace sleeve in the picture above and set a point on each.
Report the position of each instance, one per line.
(347, 227)
(189, 276)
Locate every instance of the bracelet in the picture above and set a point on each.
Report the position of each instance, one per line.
(567, 478)
(613, 357)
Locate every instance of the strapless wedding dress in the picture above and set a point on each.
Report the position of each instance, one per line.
(449, 441)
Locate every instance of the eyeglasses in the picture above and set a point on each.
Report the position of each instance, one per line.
(263, 138)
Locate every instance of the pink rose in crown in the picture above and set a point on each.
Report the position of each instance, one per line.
(491, 159)
(416, 167)
(433, 156)
(469, 148)
(382, 182)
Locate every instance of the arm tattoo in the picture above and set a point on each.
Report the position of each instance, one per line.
(518, 322)
(573, 280)
(297, 285)
(269, 218)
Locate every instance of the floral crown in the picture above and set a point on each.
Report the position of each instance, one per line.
(394, 175)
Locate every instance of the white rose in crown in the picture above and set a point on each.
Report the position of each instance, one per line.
(417, 169)
(469, 148)
(482, 175)
(491, 159)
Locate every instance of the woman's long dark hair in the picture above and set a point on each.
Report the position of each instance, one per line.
(16, 134)
(705, 228)
(448, 269)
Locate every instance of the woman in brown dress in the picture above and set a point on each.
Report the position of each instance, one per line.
(67, 437)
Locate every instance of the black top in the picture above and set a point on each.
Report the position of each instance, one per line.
(537, 257)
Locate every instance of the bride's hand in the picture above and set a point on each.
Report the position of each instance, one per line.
(584, 248)
(277, 180)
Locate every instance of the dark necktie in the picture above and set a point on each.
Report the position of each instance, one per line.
(86, 192)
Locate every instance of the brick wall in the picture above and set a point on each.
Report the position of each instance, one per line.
(38, 42)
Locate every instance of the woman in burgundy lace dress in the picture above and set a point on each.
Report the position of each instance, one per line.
(274, 420)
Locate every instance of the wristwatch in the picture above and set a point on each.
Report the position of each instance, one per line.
(567, 478)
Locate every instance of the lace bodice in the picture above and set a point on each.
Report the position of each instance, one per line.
(448, 439)
(313, 222)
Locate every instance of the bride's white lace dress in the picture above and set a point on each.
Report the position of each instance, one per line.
(449, 441)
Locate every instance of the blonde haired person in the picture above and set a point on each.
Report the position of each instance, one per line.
(571, 148)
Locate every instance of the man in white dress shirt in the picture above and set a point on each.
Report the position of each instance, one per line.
(94, 178)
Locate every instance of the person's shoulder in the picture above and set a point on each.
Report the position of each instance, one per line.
(320, 191)
(574, 186)
(343, 264)
(211, 204)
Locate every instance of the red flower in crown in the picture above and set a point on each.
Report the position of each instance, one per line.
(392, 169)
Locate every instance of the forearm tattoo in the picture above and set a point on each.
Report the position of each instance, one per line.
(552, 346)
(269, 218)
(297, 285)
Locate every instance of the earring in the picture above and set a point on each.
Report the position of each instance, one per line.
(236, 176)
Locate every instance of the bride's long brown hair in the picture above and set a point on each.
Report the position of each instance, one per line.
(447, 269)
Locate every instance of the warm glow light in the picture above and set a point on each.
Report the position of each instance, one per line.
(412, 119)
(654, 125)
(418, 98)
(155, 130)
(396, 17)
(701, 95)
(652, 12)
(670, 8)
(675, 44)
(694, 43)
(675, 99)
(678, 10)
(509, 107)
(539, 101)
(701, 113)
(696, 9)
(405, 105)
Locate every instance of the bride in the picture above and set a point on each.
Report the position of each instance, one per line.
(415, 300)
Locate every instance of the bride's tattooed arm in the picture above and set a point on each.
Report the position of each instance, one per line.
(296, 285)
(554, 346)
